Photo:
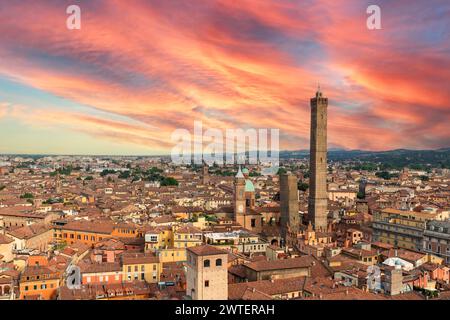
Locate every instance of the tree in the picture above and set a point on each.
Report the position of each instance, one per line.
(302, 186)
(169, 181)
(2, 187)
(383, 174)
(27, 195)
(124, 175)
(360, 195)
(281, 171)
(106, 172)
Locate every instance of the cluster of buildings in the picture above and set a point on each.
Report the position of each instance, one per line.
(129, 234)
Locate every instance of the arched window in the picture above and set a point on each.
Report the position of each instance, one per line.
(206, 263)
(218, 262)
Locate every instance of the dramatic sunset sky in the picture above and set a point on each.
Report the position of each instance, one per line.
(138, 69)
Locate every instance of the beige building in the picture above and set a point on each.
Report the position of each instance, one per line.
(207, 273)
(6, 247)
(36, 236)
(141, 267)
(403, 229)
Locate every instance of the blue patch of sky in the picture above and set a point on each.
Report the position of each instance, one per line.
(17, 93)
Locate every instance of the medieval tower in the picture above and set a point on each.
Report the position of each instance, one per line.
(205, 174)
(239, 195)
(317, 204)
(289, 205)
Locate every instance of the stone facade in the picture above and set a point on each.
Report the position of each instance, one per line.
(289, 205)
(207, 273)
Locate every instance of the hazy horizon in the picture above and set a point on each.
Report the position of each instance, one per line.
(122, 86)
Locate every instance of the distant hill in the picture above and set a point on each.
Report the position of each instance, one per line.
(399, 158)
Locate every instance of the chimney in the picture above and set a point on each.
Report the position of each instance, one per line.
(346, 292)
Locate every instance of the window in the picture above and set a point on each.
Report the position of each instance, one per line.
(79, 237)
(218, 262)
(142, 268)
(88, 279)
(129, 268)
(136, 268)
(26, 288)
(253, 223)
(206, 263)
(206, 283)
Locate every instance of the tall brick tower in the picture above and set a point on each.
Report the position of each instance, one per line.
(317, 204)
(205, 173)
(289, 205)
(239, 195)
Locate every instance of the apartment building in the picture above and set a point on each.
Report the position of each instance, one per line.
(436, 239)
(403, 229)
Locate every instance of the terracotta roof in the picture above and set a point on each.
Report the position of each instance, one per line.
(30, 231)
(302, 262)
(205, 250)
(38, 271)
(267, 288)
(99, 267)
(138, 258)
(105, 227)
(5, 239)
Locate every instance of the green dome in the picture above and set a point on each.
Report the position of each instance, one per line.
(245, 171)
(249, 187)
